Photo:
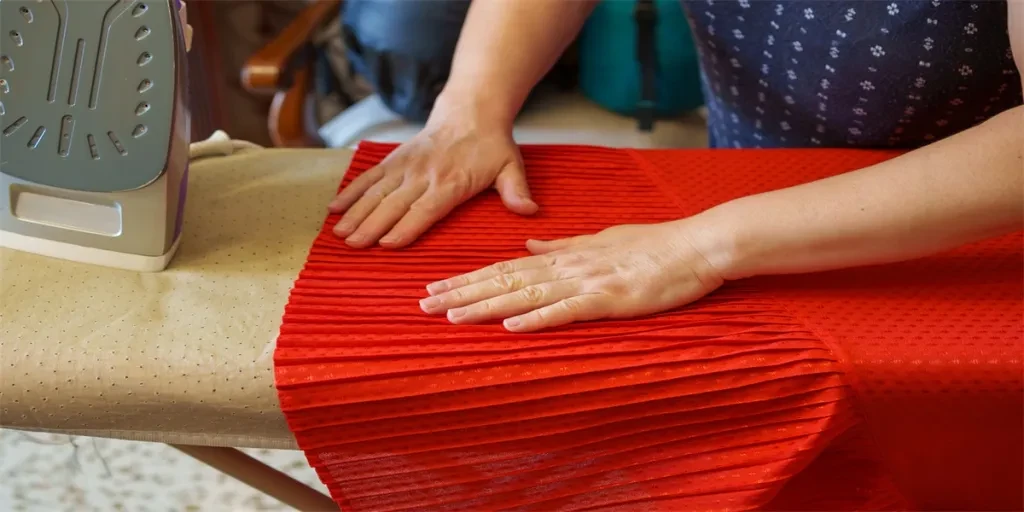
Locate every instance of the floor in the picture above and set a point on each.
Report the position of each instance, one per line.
(551, 118)
(51, 473)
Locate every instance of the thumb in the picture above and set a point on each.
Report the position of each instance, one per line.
(513, 189)
(546, 246)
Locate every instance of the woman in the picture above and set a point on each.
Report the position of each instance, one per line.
(797, 74)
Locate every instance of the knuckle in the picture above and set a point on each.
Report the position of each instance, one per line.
(572, 306)
(540, 316)
(387, 166)
(456, 296)
(594, 270)
(425, 207)
(353, 218)
(485, 308)
(555, 260)
(564, 274)
(581, 265)
(377, 192)
(611, 286)
(618, 288)
(503, 267)
(508, 282)
(422, 171)
(373, 174)
(570, 259)
(532, 294)
(401, 156)
(461, 189)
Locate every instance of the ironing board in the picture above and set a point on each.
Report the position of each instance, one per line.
(184, 356)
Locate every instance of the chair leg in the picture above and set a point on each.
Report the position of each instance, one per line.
(261, 477)
(288, 119)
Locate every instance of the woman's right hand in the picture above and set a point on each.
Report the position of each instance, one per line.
(459, 153)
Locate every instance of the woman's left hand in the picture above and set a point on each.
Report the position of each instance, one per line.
(621, 272)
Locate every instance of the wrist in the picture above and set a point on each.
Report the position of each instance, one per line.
(467, 104)
(717, 238)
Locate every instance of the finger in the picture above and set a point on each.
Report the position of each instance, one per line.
(493, 287)
(362, 209)
(515, 303)
(497, 269)
(577, 308)
(514, 191)
(390, 211)
(431, 207)
(546, 246)
(355, 190)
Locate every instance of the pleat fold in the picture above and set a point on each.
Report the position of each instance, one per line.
(714, 406)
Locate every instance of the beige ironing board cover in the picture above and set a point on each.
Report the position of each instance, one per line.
(182, 356)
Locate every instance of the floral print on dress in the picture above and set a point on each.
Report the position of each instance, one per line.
(898, 73)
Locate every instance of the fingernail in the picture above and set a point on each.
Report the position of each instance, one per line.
(429, 304)
(342, 229)
(456, 313)
(355, 239)
(436, 288)
(390, 239)
(512, 323)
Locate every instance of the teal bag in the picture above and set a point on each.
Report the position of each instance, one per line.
(637, 58)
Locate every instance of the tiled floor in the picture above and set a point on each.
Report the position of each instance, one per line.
(47, 473)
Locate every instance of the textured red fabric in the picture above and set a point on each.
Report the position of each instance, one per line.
(890, 387)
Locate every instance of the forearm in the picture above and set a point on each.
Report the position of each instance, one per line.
(959, 190)
(505, 48)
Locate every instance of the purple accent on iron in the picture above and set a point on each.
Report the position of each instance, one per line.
(182, 191)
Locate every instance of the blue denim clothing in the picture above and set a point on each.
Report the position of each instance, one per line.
(404, 48)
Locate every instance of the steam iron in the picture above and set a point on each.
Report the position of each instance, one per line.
(95, 130)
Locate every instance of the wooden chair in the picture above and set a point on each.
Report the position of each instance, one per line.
(558, 113)
(284, 68)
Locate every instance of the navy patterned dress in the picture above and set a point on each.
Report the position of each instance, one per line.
(851, 73)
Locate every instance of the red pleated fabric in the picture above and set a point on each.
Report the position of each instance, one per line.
(886, 388)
